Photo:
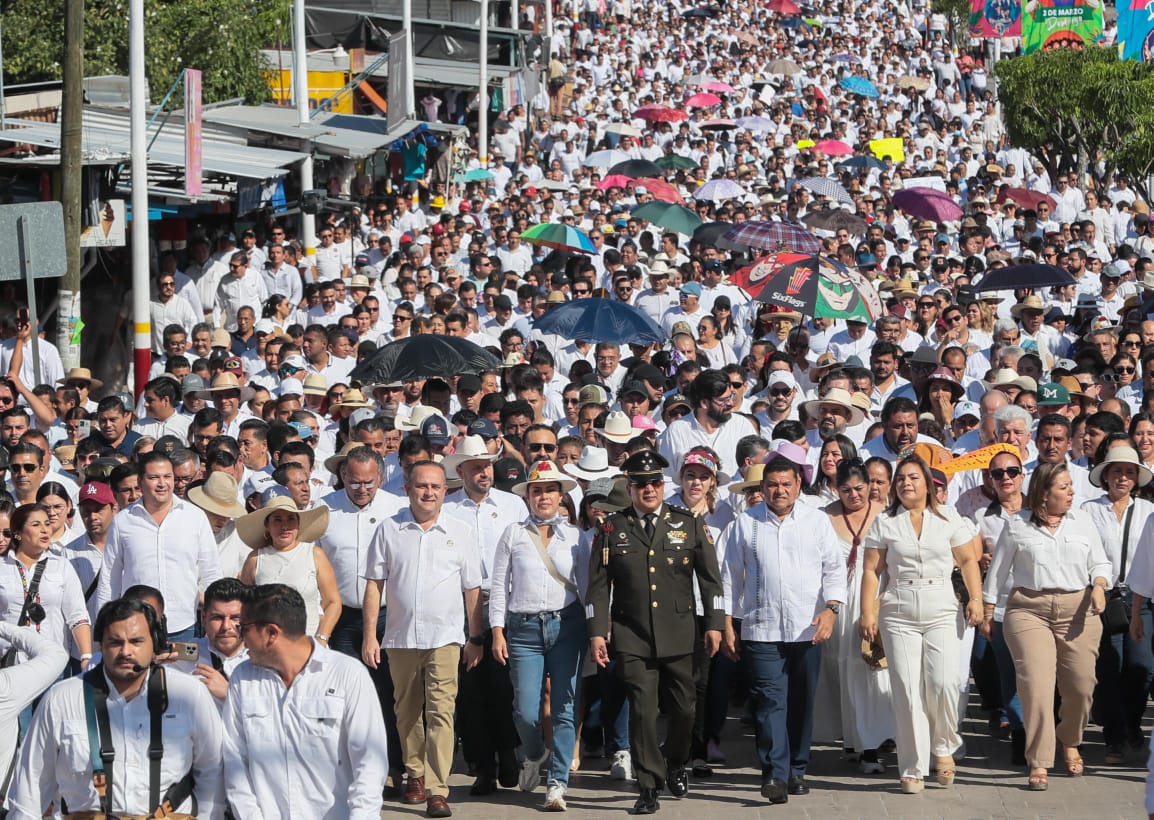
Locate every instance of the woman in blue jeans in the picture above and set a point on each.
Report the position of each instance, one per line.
(539, 575)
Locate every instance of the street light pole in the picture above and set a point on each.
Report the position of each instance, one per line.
(483, 89)
(138, 102)
(301, 95)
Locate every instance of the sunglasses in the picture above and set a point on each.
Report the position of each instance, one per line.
(23, 466)
(1002, 472)
(542, 446)
(780, 391)
(647, 482)
(737, 385)
(1126, 370)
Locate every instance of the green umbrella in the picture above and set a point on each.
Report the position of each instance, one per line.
(669, 216)
(478, 175)
(675, 162)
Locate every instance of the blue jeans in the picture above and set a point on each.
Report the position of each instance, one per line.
(783, 685)
(1125, 668)
(1007, 678)
(540, 644)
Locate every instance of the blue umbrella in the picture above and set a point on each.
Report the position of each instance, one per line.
(600, 320)
(860, 86)
(863, 161)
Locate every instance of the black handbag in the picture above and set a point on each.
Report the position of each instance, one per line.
(1116, 615)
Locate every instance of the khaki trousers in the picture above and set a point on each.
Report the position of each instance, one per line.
(425, 685)
(1052, 638)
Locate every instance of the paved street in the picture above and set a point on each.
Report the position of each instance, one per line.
(986, 788)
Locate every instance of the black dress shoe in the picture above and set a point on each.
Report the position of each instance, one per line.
(775, 791)
(647, 803)
(677, 781)
(797, 786)
(483, 785)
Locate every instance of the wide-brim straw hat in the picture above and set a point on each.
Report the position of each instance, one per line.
(1121, 455)
(543, 472)
(752, 480)
(224, 382)
(82, 374)
(839, 397)
(218, 494)
(313, 523)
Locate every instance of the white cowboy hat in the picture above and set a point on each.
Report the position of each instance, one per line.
(472, 448)
(1121, 455)
(543, 472)
(218, 494)
(837, 396)
(412, 422)
(313, 523)
(619, 428)
(593, 464)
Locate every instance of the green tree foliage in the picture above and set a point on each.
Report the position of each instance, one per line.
(957, 12)
(222, 38)
(1085, 110)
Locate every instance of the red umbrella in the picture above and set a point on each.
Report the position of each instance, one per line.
(1026, 198)
(834, 148)
(614, 181)
(660, 189)
(659, 113)
(783, 6)
(928, 203)
(703, 100)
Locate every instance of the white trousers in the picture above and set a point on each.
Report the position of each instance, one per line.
(922, 636)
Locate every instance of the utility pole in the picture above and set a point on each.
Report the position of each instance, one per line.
(138, 102)
(72, 176)
(301, 96)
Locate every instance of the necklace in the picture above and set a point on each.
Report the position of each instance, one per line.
(855, 535)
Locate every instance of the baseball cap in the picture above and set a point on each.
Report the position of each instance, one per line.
(303, 430)
(436, 429)
(781, 377)
(593, 394)
(468, 383)
(483, 427)
(1051, 394)
(635, 386)
(98, 492)
(691, 288)
(968, 408)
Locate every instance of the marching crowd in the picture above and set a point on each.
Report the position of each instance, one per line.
(272, 587)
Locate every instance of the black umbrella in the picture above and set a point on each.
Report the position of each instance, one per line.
(710, 235)
(637, 168)
(702, 12)
(424, 356)
(1025, 276)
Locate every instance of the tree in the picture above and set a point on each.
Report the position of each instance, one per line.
(223, 38)
(1081, 110)
(957, 12)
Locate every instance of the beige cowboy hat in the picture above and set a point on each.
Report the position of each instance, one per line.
(472, 448)
(333, 463)
(1031, 302)
(592, 465)
(221, 383)
(82, 374)
(619, 428)
(412, 422)
(839, 397)
(218, 494)
(543, 472)
(315, 384)
(313, 523)
(353, 399)
(751, 480)
(824, 362)
(1121, 455)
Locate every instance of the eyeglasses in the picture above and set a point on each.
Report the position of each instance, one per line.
(235, 265)
(541, 446)
(6, 534)
(780, 392)
(1130, 343)
(402, 318)
(7, 400)
(723, 400)
(924, 305)
(581, 291)
(23, 467)
(999, 473)
(246, 626)
(647, 482)
(1126, 370)
(954, 319)
(573, 401)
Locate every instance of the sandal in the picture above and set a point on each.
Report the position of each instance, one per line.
(946, 770)
(1039, 780)
(1074, 764)
(912, 785)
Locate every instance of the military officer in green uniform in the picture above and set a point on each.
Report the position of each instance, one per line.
(644, 560)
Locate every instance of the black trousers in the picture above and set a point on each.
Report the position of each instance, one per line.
(670, 683)
(485, 713)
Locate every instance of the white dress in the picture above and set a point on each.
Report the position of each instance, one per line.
(296, 568)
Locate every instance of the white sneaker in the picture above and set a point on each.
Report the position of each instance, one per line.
(871, 767)
(530, 776)
(622, 768)
(554, 798)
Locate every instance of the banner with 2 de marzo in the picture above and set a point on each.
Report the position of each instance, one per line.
(1050, 24)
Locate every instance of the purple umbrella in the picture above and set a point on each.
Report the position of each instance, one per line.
(928, 203)
(773, 236)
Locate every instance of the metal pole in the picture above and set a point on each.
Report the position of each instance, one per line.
(138, 103)
(30, 281)
(548, 34)
(3, 107)
(301, 91)
(410, 96)
(483, 89)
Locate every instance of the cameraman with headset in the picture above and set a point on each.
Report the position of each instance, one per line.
(126, 738)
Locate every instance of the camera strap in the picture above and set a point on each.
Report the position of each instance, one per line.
(31, 590)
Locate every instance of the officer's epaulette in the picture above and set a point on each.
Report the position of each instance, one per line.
(674, 508)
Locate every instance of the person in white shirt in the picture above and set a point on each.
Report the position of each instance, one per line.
(51, 368)
(219, 497)
(428, 564)
(169, 308)
(239, 289)
(161, 397)
(221, 650)
(21, 684)
(161, 541)
(86, 553)
(712, 424)
(56, 761)
(785, 577)
(318, 752)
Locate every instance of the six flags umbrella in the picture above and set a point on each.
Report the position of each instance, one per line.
(424, 356)
(600, 320)
(829, 188)
(928, 203)
(816, 286)
(637, 168)
(668, 215)
(773, 236)
(559, 237)
(860, 86)
(1025, 276)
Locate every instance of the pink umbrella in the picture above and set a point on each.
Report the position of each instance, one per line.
(659, 113)
(833, 148)
(660, 189)
(928, 203)
(719, 87)
(784, 6)
(614, 181)
(703, 100)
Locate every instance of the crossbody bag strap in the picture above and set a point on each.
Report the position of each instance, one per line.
(88, 593)
(550, 567)
(157, 706)
(1125, 543)
(101, 753)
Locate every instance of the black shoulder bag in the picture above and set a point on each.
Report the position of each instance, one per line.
(1116, 615)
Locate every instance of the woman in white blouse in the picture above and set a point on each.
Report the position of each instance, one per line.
(1051, 561)
(539, 575)
(1125, 666)
(917, 542)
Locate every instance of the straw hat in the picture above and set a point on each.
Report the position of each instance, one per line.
(315, 384)
(841, 398)
(218, 494)
(313, 522)
(472, 448)
(82, 374)
(751, 481)
(619, 428)
(223, 382)
(333, 463)
(351, 400)
(593, 464)
(1121, 455)
(221, 338)
(543, 472)
(1031, 302)
(824, 362)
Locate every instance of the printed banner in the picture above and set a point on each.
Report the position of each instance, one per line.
(1050, 24)
(995, 18)
(977, 460)
(1135, 30)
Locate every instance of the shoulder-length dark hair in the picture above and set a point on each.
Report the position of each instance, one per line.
(895, 506)
(848, 451)
(1040, 483)
(19, 518)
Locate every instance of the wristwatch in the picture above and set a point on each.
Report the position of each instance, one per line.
(477, 640)
(834, 608)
